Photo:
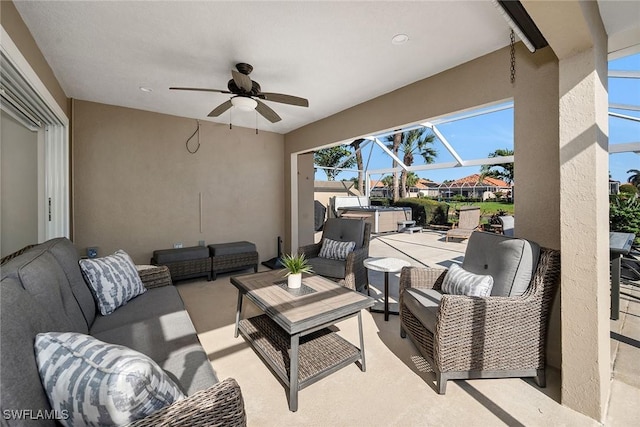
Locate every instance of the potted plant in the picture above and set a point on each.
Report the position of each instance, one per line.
(295, 266)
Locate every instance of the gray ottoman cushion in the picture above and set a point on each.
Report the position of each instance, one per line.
(510, 261)
(424, 305)
(231, 248)
(166, 256)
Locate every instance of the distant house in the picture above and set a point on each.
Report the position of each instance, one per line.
(475, 187)
(424, 188)
(614, 187)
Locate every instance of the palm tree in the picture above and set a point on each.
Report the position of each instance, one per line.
(395, 140)
(634, 179)
(334, 157)
(411, 180)
(355, 145)
(415, 141)
(503, 171)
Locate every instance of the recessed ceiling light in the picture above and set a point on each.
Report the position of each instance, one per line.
(400, 39)
(146, 89)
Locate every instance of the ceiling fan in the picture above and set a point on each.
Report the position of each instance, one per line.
(248, 95)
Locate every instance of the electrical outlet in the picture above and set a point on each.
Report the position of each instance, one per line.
(200, 242)
(177, 245)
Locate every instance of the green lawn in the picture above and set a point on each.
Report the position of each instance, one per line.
(486, 208)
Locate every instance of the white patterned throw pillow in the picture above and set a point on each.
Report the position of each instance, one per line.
(458, 281)
(95, 383)
(113, 280)
(333, 249)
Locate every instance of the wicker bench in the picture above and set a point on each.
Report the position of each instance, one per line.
(184, 263)
(232, 256)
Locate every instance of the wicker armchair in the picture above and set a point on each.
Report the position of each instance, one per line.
(483, 337)
(350, 273)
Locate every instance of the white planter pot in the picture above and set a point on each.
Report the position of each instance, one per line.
(294, 281)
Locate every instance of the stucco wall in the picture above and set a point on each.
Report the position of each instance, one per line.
(137, 187)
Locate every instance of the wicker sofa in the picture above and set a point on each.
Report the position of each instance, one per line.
(351, 272)
(502, 335)
(43, 290)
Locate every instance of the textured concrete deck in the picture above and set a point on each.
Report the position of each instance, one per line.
(398, 388)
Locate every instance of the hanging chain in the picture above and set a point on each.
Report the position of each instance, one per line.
(512, 45)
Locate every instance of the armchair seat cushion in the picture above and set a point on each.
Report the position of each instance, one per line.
(328, 267)
(424, 304)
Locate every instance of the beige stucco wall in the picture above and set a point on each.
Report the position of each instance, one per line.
(19, 180)
(14, 26)
(137, 187)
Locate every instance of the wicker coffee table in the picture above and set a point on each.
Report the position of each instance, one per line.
(293, 336)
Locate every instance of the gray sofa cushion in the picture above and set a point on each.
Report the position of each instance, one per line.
(344, 230)
(424, 304)
(510, 261)
(42, 276)
(164, 256)
(157, 325)
(231, 248)
(67, 256)
(328, 267)
(21, 387)
(154, 303)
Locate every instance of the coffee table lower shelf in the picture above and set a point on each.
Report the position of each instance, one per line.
(320, 353)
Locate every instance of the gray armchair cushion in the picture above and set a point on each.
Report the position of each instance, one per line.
(164, 256)
(424, 304)
(510, 261)
(328, 267)
(344, 230)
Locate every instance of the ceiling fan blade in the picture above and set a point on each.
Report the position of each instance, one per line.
(284, 99)
(220, 109)
(267, 112)
(199, 89)
(242, 81)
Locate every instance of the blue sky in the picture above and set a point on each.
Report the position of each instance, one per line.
(476, 137)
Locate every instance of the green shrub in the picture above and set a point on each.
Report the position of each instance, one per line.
(628, 189)
(624, 215)
(425, 211)
(380, 201)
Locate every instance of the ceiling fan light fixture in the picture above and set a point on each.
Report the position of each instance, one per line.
(244, 103)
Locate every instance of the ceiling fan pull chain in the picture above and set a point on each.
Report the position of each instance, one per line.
(230, 125)
(256, 122)
(512, 45)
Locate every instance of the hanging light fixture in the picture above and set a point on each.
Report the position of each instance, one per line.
(244, 103)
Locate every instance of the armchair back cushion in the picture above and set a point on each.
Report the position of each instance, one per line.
(344, 230)
(510, 261)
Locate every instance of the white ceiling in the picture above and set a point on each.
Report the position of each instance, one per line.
(335, 54)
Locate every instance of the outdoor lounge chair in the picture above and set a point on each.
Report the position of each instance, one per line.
(507, 223)
(496, 336)
(350, 272)
(468, 222)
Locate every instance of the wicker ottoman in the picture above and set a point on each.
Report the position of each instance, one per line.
(184, 263)
(232, 256)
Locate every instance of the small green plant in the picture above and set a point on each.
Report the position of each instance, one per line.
(295, 264)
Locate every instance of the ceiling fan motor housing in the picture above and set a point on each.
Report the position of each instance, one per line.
(233, 88)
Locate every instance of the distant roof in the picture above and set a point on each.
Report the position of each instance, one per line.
(471, 180)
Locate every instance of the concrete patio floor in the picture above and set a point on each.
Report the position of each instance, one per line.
(398, 388)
